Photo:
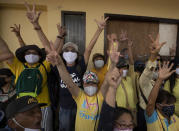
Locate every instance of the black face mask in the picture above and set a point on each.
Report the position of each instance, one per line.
(2, 81)
(168, 110)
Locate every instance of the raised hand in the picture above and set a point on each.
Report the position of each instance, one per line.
(123, 36)
(165, 71)
(16, 29)
(114, 78)
(101, 23)
(112, 38)
(52, 56)
(130, 43)
(114, 55)
(32, 15)
(61, 30)
(155, 46)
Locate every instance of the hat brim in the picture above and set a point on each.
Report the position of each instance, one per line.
(28, 107)
(20, 53)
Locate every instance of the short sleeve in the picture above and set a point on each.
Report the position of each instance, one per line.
(78, 98)
(47, 65)
(152, 118)
(14, 66)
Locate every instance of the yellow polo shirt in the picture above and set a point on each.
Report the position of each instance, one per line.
(121, 96)
(17, 67)
(88, 111)
(175, 93)
(101, 74)
(156, 122)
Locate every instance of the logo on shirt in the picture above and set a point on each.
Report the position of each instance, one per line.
(89, 111)
(75, 79)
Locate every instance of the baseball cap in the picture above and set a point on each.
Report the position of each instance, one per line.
(70, 44)
(90, 77)
(22, 104)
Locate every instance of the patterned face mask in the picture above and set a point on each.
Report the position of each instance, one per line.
(168, 110)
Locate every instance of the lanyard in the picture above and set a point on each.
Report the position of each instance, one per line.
(161, 122)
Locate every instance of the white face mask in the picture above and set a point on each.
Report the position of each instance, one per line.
(155, 75)
(117, 129)
(124, 73)
(90, 90)
(99, 63)
(70, 57)
(25, 129)
(177, 71)
(31, 58)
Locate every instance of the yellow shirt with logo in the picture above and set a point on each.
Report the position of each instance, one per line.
(156, 122)
(101, 74)
(175, 93)
(17, 67)
(88, 111)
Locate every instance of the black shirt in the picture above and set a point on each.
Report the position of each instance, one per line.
(106, 121)
(65, 98)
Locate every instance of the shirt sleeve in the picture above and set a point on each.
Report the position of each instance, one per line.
(152, 118)
(146, 76)
(106, 118)
(47, 65)
(78, 98)
(14, 65)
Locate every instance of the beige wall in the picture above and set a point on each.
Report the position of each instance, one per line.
(93, 8)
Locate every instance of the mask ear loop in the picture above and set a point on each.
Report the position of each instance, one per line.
(14, 120)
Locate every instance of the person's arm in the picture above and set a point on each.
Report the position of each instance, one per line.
(155, 47)
(6, 54)
(54, 58)
(60, 38)
(16, 30)
(101, 24)
(131, 58)
(33, 17)
(114, 57)
(164, 73)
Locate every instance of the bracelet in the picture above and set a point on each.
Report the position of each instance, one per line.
(60, 37)
(37, 28)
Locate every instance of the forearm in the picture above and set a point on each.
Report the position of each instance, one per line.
(65, 76)
(153, 96)
(5, 56)
(42, 36)
(59, 44)
(4, 46)
(91, 44)
(21, 41)
(131, 59)
(111, 97)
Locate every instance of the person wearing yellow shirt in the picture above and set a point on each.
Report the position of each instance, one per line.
(159, 113)
(89, 101)
(100, 68)
(172, 85)
(31, 56)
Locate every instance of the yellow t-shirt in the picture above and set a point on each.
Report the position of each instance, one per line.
(17, 67)
(88, 110)
(175, 93)
(121, 96)
(156, 122)
(101, 74)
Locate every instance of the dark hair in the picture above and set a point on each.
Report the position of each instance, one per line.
(119, 111)
(139, 66)
(124, 50)
(165, 96)
(96, 55)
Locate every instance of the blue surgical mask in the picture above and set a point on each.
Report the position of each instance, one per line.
(168, 110)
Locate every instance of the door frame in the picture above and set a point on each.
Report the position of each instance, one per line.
(141, 19)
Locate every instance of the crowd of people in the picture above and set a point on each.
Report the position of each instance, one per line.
(50, 88)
